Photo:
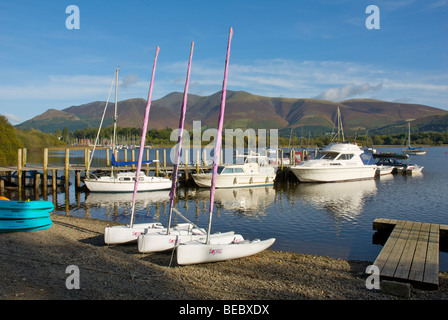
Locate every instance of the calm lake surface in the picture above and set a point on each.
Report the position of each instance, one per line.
(331, 219)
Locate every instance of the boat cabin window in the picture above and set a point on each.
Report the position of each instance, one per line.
(223, 170)
(125, 179)
(346, 156)
(330, 155)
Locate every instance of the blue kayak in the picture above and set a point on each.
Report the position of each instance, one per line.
(27, 205)
(20, 214)
(25, 225)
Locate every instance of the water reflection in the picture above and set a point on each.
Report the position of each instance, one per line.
(248, 201)
(342, 199)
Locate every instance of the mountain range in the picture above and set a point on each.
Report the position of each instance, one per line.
(244, 110)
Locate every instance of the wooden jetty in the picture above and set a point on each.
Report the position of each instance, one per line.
(411, 252)
(160, 166)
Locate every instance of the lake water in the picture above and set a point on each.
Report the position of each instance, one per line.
(332, 219)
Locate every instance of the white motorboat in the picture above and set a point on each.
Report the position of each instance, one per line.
(382, 170)
(255, 171)
(124, 182)
(413, 169)
(338, 162)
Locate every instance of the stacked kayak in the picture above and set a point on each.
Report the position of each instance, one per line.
(24, 215)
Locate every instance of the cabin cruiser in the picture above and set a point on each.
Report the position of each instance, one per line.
(338, 162)
(255, 171)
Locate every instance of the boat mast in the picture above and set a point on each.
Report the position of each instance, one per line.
(179, 141)
(142, 142)
(218, 137)
(409, 134)
(114, 140)
(101, 124)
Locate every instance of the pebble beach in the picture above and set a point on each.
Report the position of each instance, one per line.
(33, 267)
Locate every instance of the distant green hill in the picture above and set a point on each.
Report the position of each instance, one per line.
(243, 110)
(12, 139)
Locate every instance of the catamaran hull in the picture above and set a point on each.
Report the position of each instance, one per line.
(222, 181)
(321, 174)
(120, 186)
(162, 242)
(125, 234)
(197, 252)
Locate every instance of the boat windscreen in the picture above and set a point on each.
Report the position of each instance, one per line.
(367, 159)
(330, 155)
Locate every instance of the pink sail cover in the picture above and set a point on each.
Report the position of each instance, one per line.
(142, 142)
(181, 129)
(220, 125)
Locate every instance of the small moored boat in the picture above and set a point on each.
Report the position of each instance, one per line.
(338, 162)
(256, 171)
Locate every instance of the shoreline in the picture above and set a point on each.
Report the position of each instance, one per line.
(33, 267)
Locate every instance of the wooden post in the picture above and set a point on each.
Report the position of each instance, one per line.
(54, 177)
(133, 157)
(204, 157)
(147, 157)
(67, 166)
(24, 153)
(86, 160)
(197, 161)
(19, 169)
(187, 153)
(2, 187)
(164, 158)
(281, 159)
(45, 171)
(77, 179)
(36, 184)
(157, 163)
(107, 157)
(125, 155)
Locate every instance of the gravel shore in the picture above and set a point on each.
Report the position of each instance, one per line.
(33, 267)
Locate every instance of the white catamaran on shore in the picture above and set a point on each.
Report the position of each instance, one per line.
(206, 250)
(169, 238)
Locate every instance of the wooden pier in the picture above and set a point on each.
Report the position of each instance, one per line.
(159, 167)
(411, 252)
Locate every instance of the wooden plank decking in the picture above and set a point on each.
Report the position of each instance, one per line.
(411, 252)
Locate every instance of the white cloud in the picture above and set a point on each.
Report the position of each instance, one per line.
(348, 91)
(331, 80)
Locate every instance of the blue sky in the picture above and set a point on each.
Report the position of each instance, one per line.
(283, 48)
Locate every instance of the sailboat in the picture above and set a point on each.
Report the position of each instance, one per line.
(129, 233)
(162, 240)
(205, 250)
(418, 151)
(121, 181)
